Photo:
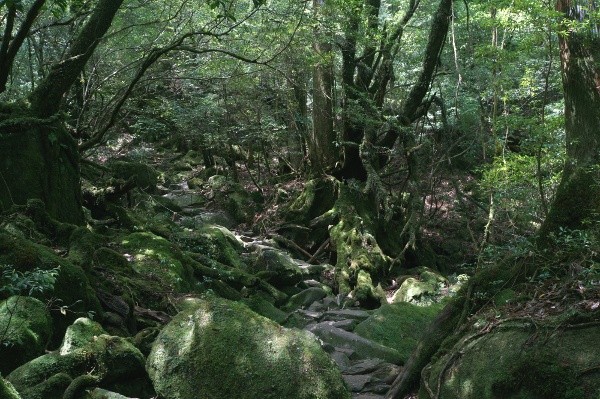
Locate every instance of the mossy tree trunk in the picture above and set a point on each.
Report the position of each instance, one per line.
(39, 159)
(577, 199)
(361, 262)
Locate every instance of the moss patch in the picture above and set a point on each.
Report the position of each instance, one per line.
(111, 359)
(25, 328)
(399, 326)
(7, 391)
(157, 259)
(520, 361)
(360, 260)
(214, 241)
(71, 290)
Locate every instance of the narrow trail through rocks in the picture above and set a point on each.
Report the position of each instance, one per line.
(367, 367)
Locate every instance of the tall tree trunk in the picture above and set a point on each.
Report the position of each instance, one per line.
(577, 199)
(322, 150)
(38, 157)
(47, 98)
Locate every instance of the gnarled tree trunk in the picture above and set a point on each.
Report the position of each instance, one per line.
(38, 158)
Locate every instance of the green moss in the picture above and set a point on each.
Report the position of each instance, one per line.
(72, 288)
(239, 354)
(356, 246)
(25, 329)
(213, 241)
(82, 245)
(41, 162)
(518, 361)
(399, 326)
(318, 197)
(7, 391)
(53, 387)
(111, 260)
(277, 267)
(265, 308)
(79, 334)
(113, 359)
(157, 259)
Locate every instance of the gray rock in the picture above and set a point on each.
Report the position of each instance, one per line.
(364, 366)
(341, 359)
(347, 325)
(317, 306)
(305, 298)
(356, 383)
(343, 314)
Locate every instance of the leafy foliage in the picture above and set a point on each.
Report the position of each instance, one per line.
(36, 281)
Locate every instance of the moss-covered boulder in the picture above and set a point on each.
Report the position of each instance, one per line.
(216, 242)
(398, 326)
(318, 197)
(157, 259)
(145, 176)
(86, 350)
(72, 294)
(82, 245)
(25, 328)
(277, 267)
(305, 298)
(265, 308)
(221, 349)
(235, 199)
(518, 360)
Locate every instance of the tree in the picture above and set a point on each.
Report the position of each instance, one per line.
(39, 158)
(577, 199)
(322, 151)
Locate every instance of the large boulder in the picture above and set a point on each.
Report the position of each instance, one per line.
(221, 349)
(518, 360)
(86, 351)
(424, 288)
(25, 328)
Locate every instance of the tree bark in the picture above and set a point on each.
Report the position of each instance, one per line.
(577, 199)
(322, 151)
(48, 96)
